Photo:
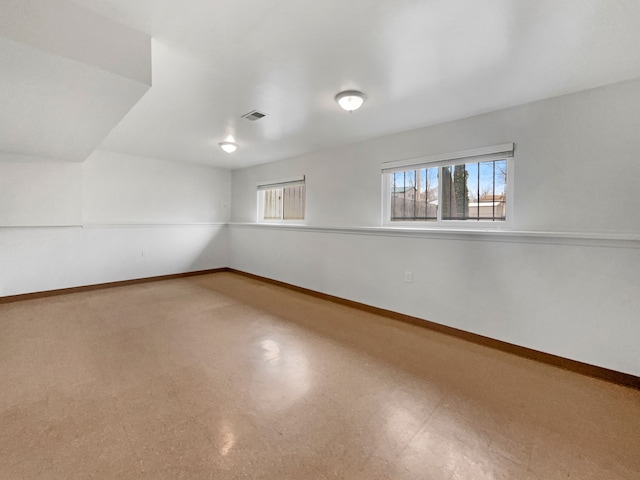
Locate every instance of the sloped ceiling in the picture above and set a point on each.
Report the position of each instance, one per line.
(68, 77)
(420, 62)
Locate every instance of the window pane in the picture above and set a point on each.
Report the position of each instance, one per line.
(414, 194)
(475, 191)
(273, 204)
(500, 191)
(421, 194)
(432, 193)
(455, 204)
(293, 202)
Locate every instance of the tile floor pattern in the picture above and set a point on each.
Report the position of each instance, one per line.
(225, 377)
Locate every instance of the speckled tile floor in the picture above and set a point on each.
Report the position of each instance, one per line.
(221, 377)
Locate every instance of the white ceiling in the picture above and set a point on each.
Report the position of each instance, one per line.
(419, 61)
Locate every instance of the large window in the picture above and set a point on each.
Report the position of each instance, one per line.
(467, 186)
(282, 200)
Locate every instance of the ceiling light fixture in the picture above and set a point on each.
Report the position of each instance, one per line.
(350, 100)
(228, 147)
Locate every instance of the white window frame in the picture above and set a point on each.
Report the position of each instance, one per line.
(485, 154)
(280, 183)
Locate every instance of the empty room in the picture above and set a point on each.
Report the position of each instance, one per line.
(369, 239)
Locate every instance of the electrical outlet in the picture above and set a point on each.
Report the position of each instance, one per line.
(408, 277)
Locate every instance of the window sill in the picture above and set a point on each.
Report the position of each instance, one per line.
(444, 233)
(281, 222)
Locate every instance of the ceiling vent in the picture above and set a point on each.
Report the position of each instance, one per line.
(254, 115)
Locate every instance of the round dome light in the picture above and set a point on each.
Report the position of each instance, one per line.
(228, 147)
(350, 100)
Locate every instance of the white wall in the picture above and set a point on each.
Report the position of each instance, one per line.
(573, 295)
(588, 140)
(127, 189)
(112, 218)
(37, 192)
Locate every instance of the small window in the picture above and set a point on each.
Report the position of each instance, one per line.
(282, 200)
(468, 186)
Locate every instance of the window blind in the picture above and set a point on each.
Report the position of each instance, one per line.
(485, 154)
(285, 182)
